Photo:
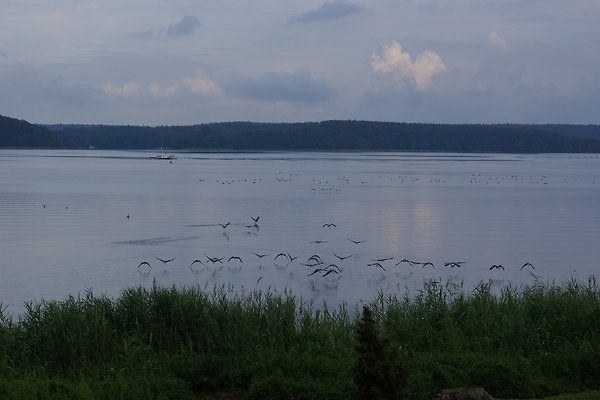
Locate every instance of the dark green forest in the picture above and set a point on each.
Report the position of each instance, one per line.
(311, 136)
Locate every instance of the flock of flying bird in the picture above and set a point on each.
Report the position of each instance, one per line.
(315, 263)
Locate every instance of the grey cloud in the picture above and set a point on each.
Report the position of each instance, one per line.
(185, 26)
(329, 11)
(496, 99)
(296, 87)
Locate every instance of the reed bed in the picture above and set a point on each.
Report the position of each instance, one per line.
(172, 342)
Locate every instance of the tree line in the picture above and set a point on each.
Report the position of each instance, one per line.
(308, 136)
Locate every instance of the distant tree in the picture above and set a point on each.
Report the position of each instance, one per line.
(379, 373)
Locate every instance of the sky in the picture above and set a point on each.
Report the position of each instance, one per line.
(181, 62)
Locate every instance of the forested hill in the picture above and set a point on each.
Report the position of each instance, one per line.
(327, 135)
(19, 133)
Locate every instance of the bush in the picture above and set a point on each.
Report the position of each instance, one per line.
(379, 372)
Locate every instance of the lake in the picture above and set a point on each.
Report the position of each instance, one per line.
(73, 221)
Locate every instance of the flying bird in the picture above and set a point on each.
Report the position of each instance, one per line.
(356, 241)
(225, 225)
(496, 267)
(404, 260)
(281, 255)
(316, 271)
(331, 271)
(315, 257)
(527, 265)
(164, 261)
(235, 258)
(334, 266)
(145, 263)
(318, 241)
(194, 262)
(453, 264)
(329, 225)
(259, 255)
(342, 258)
(383, 259)
(215, 259)
(376, 264)
(255, 219)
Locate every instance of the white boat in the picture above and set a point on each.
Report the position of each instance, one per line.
(163, 157)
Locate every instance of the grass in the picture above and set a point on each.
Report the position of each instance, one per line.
(168, 343)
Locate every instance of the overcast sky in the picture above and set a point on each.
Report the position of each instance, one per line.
(159, 62)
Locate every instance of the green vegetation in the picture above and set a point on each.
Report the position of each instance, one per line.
(310, 136)
(167, 343)
(379, 373)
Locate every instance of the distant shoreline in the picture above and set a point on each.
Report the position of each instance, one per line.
(326, 136)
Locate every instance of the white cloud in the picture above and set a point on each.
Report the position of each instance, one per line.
(394, 61)
(202, 85)
(158, 91)
(498, 42)
(125, 90)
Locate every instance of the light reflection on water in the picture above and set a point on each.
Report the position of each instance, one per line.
(479, 208)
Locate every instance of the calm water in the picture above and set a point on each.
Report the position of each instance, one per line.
(478, 209)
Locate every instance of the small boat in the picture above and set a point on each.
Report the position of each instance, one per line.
(163, 157)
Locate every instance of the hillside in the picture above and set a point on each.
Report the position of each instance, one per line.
(19, 133)
(309, 136)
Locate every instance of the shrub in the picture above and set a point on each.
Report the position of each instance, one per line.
(379, 372)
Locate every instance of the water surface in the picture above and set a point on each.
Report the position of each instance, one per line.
(64, 225)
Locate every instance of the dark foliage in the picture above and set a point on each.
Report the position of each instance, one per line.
(326, 135)
(379, 373)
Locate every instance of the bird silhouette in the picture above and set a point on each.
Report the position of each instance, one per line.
(453, 264)
(376, 264)
(356, 241)
(527, 265)
(255, 219)
(259, 255)
(334, 266)
(383, 259)
(425, 264)
(331, 271)
(291, 258)
(225, 225)
(194, 262)
(235, 258)
(318, 241)
(164, 261)
(281, 255)
(342, 258)
(145, 263)
(215, 259)
(496, 267)
(329, 225)
(404, 260)
(317, 271)
(316, 260)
